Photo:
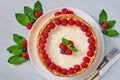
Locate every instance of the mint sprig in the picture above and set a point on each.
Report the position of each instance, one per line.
(66, 43)
(108, 31)
(38, 7)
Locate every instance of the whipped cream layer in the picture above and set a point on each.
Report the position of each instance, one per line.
(69, 32)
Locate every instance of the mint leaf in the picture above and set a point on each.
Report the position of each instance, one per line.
(16, 59)
(22, 18)
(111, 23)
(29, 12)
(15, 49)
(18, 39)
(65, 41)
(103, 16)
(111, 32)
(38, 7)
(73, 49)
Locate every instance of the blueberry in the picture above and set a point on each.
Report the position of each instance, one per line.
(104, 31)
(62, 51)
(100, 22)
(24, 49)
(32, 21)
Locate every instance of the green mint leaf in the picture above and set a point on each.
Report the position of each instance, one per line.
(15, 49)
(18, 39)
(73, 49)
(103, 16)
(22, 18)
(111, 23)
(38, 7)
(65, 41)
(16, 59)
(111, 32)
(29, 12)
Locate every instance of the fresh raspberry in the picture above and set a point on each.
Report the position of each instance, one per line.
(24, 43)
(71, 71)
(45, 56)
(52, 66)
(88, 33)
(48, 61)
(42, 46)
(104, 25)
(84, 28)
(45, 35)
(57, 13)
(77, 67)
(64, 22)
(83, 65)
(42, 51)
(90, 53)
(70, 12)
(64, 11)
(58, 21)
(43, 40)
(91, 40)
(68, 52)
(62, 46)
(78, 23)
(71, 21)
(38, 14)
(70, 42)
(64, 71)
(47, 29)
(91, 47)
(58, 69)
(25, 55)
(51, 25)
(86, 59)
(29, 25)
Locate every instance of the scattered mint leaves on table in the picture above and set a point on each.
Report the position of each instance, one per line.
(107, 25)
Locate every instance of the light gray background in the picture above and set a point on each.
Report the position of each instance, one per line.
(9, 25)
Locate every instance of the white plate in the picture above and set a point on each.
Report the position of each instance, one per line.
(32, 45)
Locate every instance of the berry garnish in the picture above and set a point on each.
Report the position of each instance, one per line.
(83, 65)
(29, 25)
(70, 12)
(91, 40)
(62, 46)
(78, 23)
(51, 25)
(38, 14)
(57, 13)
(91, 47)
(68, 52)
(47, 29)
(52, 66)
(71, 42)
(42, 46)
(24, 43)
(58, 21)
(48, 61)
(86, 59)
(84, 28)
(32, 21)
(64, 22)
(25, 55)
(64, 71)
(45, 56)
(71, 70)
(77, 67)
(104, 25)
(58, 69)
(24, 49)
(88, 33)
(43, 40)
(62, 51)
(90, 53)
(64, 11)
(42, 51)
(45, 35)
(71, 21)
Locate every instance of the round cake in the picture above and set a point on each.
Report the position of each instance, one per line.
(66, 44)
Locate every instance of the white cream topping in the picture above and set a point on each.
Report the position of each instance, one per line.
(73, 33)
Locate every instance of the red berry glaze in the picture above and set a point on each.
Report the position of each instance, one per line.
(78, 23)
(71, 21)
(64, 11)
(104, 25)
(58, 21)
(24, 43)
(58, 69)
(57, 13)
(83, 65)
(76, 67)
(25, 55)
(64, 22)
(45, 56)
(68, 52)
(52, 65)
(84, 28)
(64, 71)
(90, 53)
(70, 42)
(62, 46)
(71, 71)
(91, 40)
(29, 25)
(38, 14)
(88, 33)
(48, 61)
(51, 25)
(86, 59)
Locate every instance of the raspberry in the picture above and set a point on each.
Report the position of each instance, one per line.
(86, 59)
(58, 21)
(78, 23)
(91, 40)
(47, 29)
(64, 22)
(91, 47)
(52, 66)
(25, 55)
(70, 12)
(51, 25)
(71, 21)
(90, 53)
(43, 40)
(24, 43)
(42, 46)
(48, 61)
(62, 46)
(64, 11)
(29, 25)
(45, 56)
(84, 28)
(104, 25)
(57, 13)
(71, 42)
(45, 35)
(38, 14)
(71, 71)
(88, 33)
(68, 52)
(77, 67)
(42, 51)
(58, 69)
(64, 71)
(83, 65)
